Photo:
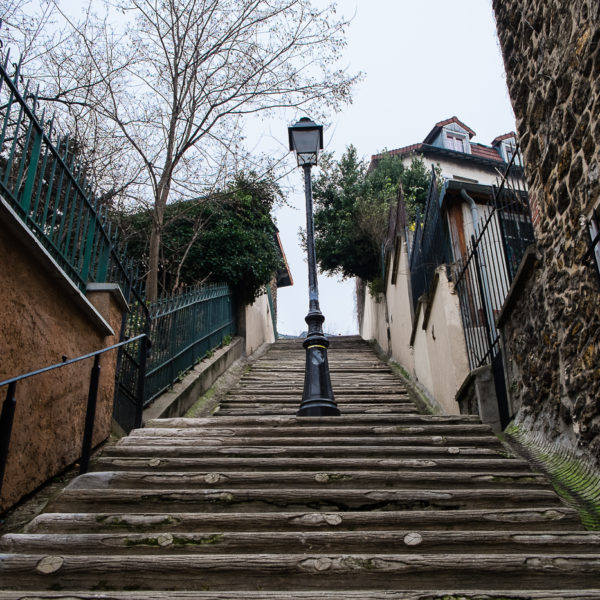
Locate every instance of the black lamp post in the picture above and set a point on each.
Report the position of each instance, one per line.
(306, 139)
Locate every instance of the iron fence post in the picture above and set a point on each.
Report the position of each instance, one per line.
(90, 417)
(6, 423)
(141, 383)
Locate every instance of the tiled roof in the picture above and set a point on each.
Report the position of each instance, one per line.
(458, 122)
(485, 152)
(403, 150)
(500, 138)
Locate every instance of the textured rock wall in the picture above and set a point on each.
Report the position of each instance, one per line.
(38, 325)
(551, 52)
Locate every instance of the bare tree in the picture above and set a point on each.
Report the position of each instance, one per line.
(177, 79)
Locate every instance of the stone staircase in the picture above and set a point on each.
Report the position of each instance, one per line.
(254, 503)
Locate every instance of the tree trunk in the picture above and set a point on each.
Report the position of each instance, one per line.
(162, 194)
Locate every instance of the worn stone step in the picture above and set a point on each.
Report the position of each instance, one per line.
(293, 402)
(347, 376)
(409, 541)
(294, 370)
(358, 390)
(315, 464)
(298, 571)
(540, 519)
(417, 451)
(285, 499)
(270, 479)
(479, 441)
(426, 429)
(293, 421)
(440, 594)
(259, 409)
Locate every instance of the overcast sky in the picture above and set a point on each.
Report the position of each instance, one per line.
(424, 61)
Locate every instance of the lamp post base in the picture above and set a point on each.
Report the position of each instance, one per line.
(317, 399)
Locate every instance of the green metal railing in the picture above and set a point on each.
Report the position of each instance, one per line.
(183, 329)
(45, 183)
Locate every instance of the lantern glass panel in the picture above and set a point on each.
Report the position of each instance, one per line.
(306, 144)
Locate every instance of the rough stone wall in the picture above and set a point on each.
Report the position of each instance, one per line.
(38, 325)
(551, 52)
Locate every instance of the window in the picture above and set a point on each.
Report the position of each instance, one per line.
(518, 235)
(510, 149)
(454, 142)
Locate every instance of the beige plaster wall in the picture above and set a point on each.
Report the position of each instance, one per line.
(400, 314)
(437, 358)
(442, 342)
(373, 326)
(258, 324)
(455, 168)
(39, 323)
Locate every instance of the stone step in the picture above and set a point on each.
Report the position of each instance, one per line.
(363, 389)
(287, 399)
(278, 409)
(396, 451)
(302, 571)
(372, 368)
(297, 431)
(480, 441)
(406, 541)
(341, 421)
(175, 480)
(315, 464)
(225, 499)
(440, 594)
(540, 519)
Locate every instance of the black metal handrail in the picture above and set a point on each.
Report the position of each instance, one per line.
(9, 405)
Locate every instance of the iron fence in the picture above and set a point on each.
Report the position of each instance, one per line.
(484, 275)
(44, 181)
(183, 329)
(430, 243)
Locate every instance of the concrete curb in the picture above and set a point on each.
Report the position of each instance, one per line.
(177, 401)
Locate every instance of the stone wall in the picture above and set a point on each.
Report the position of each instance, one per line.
(43, 317)
(551, 52)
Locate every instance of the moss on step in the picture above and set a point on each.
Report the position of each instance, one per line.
(200, 403)
(203, 541)
(574, 480)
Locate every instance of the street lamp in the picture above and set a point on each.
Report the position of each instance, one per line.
(306, 139)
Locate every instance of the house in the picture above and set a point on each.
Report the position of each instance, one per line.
(448, 274)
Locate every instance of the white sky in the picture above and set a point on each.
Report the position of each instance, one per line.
(424, 61)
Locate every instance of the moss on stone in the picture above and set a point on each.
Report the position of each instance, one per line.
(574, 481)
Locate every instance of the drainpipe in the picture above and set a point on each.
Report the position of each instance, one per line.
(473, 208)
(487, 295)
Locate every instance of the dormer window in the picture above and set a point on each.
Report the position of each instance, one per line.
(455, 142)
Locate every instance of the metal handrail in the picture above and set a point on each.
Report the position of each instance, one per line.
(9, 405)
(69, 362)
